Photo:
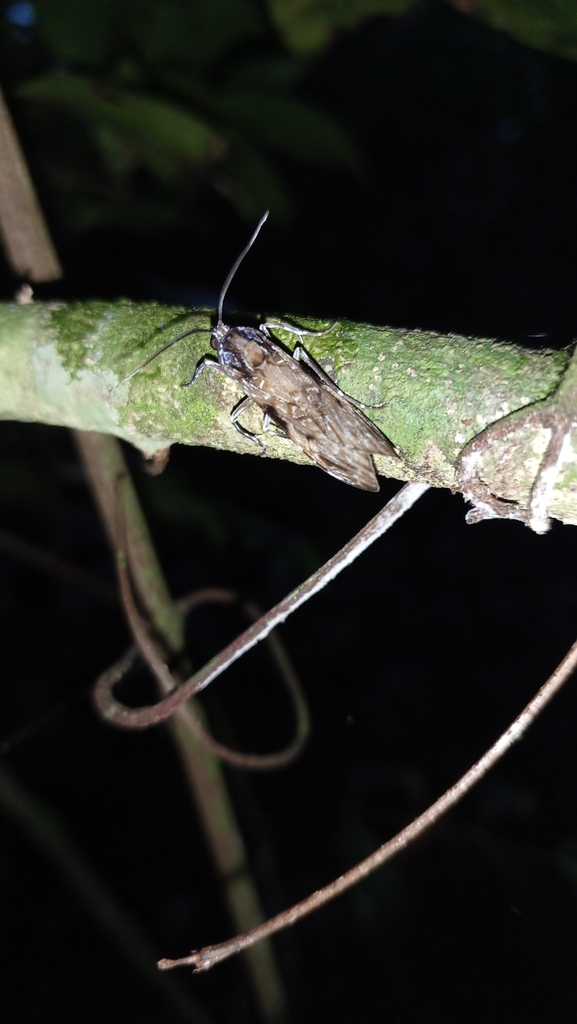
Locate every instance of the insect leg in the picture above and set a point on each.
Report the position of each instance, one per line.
(266, 426)
(205, 361)
(302, 355)
(238, 411)
(301, 331)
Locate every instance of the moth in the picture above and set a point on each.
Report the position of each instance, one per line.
(294, 393)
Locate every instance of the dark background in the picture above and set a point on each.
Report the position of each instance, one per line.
(461, 218)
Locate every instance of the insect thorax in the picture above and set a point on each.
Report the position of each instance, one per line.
(243, 349)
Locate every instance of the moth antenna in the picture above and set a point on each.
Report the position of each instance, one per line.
(169, 344)
(237, 264)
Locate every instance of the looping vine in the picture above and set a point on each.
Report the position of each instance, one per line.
(141, 718)
(150, 651)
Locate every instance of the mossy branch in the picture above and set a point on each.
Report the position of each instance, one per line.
(63, 364)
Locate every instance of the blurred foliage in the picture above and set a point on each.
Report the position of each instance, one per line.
(549, 25)
(309, 25)
(137, 104)
(134, 106)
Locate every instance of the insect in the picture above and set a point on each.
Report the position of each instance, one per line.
(294, 393)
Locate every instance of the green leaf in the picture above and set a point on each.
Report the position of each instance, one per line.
(290, 127)
(154, 123)
(309, 25)
(549, 25)
(180, 32)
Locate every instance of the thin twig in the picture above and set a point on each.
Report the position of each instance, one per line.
(28, 245)
(44, 561)
(204, 959)
(43, 721)
(141, 718)
(255, 762)
(105, 466)
(153, 657)
(153, 654)
(44, 829)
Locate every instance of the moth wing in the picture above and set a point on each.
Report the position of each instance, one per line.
(277, 385)
(330, 436)
(368, 436)
(351, 467)
(319, 419)
(336, 436)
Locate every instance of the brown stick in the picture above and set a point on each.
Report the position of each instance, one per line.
(204, 959)
(105, 468)
(153, 656)
(141, 718)
(28, 245)
(108, 473)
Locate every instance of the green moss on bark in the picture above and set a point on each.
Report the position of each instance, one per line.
(64, 364)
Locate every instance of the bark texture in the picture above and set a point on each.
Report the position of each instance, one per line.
(64, 364)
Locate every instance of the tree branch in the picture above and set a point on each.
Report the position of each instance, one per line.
(63, 365)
